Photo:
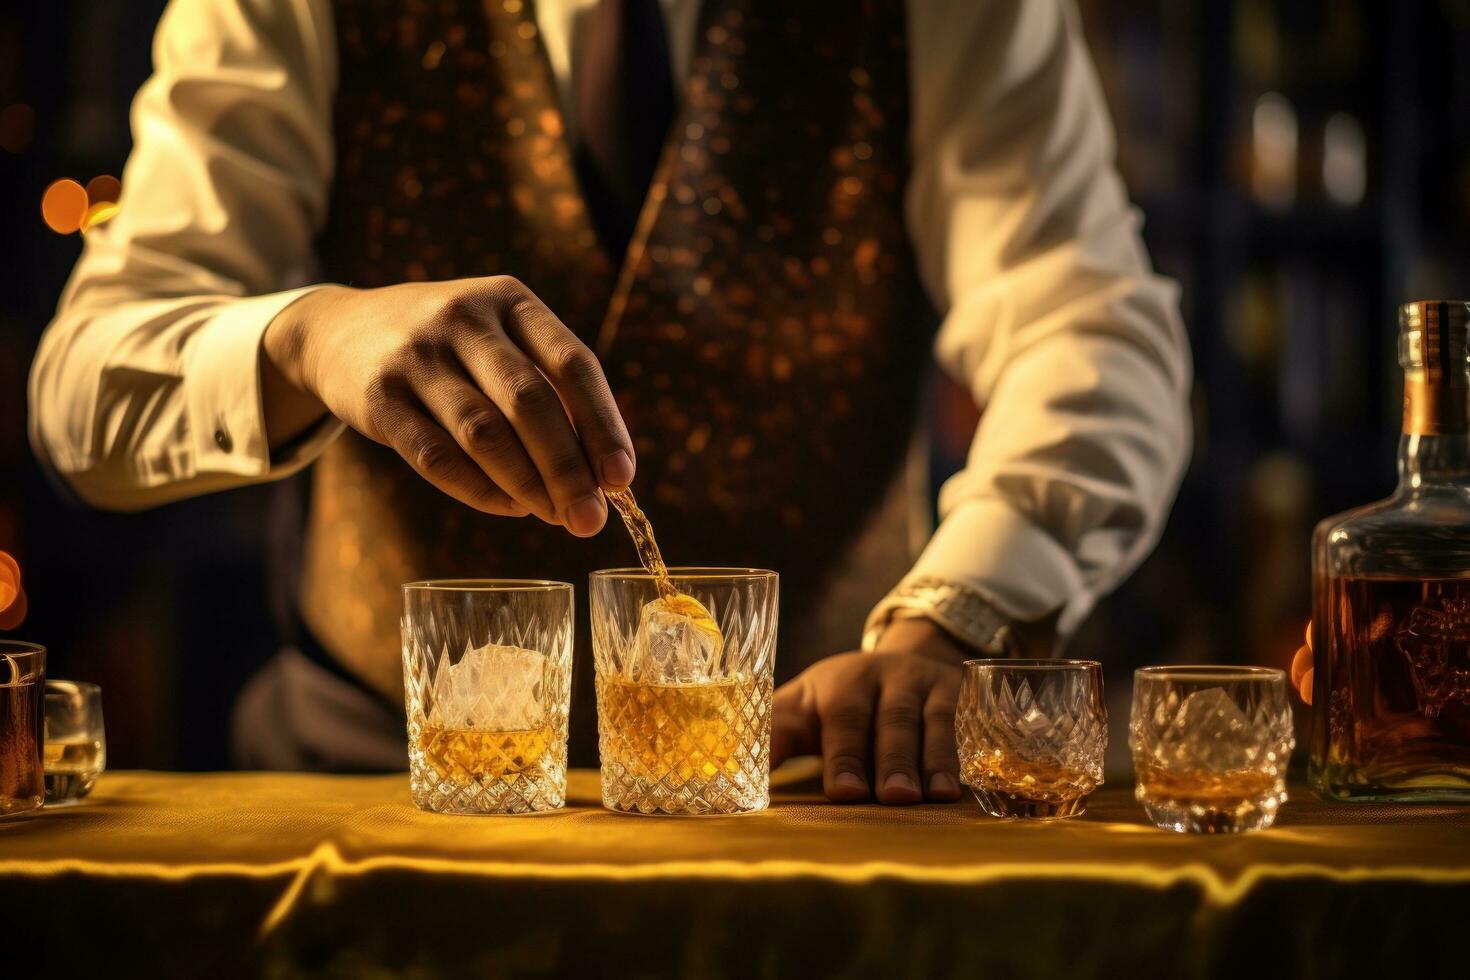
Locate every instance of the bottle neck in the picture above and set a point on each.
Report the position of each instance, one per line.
(1434, 449)
(1428, 461)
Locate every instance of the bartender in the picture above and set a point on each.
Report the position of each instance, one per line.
(474, 264)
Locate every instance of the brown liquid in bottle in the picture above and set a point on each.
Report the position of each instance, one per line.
(1394, 681)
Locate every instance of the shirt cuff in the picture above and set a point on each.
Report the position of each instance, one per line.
(987, 545)
(225, 411)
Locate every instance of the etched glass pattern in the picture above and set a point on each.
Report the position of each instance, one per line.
(1031, 735)
(487, 682)
(1210, 746)
(684, 716)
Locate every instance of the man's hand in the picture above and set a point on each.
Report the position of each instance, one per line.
(883, 719)
(1302, 673)
(474, 382)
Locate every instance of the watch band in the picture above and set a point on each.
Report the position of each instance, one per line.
(961, 611)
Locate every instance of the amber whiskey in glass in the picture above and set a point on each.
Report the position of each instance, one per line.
(1391, 596)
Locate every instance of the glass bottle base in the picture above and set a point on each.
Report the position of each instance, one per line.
(1187, 817)
(1008, 807)
(1430, 789)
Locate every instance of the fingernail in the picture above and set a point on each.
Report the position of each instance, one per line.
(851, 780)
(617, 469)
(943, 782)
(584, 517)
(901, 780)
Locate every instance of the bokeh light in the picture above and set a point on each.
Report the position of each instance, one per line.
(15, 613)
(13, 603)
(9, 578)
(103, 189)
(97, 213)
(68, 206)
(1344, 159)
(1274, 151)
(64, 206)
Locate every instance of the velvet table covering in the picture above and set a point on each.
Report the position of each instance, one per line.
(164, 874)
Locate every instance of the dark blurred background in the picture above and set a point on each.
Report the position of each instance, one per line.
(1303, 168)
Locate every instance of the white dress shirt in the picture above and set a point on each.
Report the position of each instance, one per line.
(146, 385)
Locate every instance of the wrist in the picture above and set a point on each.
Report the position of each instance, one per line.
(290, 340)
(925, 638)
(289, 400)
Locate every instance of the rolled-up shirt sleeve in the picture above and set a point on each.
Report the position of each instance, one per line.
(1054, 320)
(146, 385)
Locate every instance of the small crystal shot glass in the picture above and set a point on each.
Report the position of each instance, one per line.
(487, 680)
(76, 745)
(1210, 746)
(1031, 735)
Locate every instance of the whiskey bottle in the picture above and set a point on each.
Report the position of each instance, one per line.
(1391, 595)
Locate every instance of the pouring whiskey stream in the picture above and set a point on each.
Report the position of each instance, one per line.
(671, 600)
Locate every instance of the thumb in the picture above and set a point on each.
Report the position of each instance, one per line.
(794, 727)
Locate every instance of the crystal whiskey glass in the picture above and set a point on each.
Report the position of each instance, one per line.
(1031, 735)
(683, 704)
(1210, 746)
(487, 667)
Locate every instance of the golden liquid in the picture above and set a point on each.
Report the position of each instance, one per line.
(1211, 790)
(72, 767)
(680, 731)
(1022, 779)
(460, 754)
(641, 531)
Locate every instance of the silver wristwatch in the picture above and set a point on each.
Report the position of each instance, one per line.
(961, 611)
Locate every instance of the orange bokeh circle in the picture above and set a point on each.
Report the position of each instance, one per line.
(64, 206)
(102, 189)
(12, 597)
(15, 613)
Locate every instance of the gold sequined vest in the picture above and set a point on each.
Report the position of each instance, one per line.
(765, 334)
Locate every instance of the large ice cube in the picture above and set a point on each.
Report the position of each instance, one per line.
(677, 642)
(1210, 732)
(493, 688)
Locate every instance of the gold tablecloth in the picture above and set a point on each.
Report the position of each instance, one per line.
(283, 875)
